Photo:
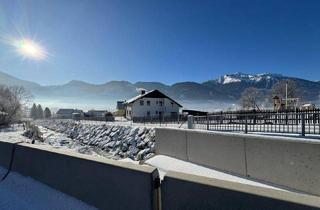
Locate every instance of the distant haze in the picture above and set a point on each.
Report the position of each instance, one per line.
(219, 94)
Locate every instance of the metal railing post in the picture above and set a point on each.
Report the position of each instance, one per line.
(190, 122)
(207, 122)
(303, 124)
(246, 125)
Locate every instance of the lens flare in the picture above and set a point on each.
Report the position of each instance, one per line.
(28, 48)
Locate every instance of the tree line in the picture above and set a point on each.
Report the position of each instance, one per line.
(37, 112)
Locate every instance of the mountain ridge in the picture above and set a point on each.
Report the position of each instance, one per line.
(225, 88)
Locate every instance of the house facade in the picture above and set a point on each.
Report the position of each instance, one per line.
(151, 104)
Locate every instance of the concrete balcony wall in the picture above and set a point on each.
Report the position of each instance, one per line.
(183, 191)
(6, 150)
(287, 162)
(103, 183)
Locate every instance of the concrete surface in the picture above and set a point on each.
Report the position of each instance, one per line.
(172, 142)
(165, 164)
(182, 192)
(105, 184)
(20, 192)
(283, 161)
(5, 157)
(292, 164)
(225, 152)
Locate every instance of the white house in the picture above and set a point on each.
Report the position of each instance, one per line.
(151, 104)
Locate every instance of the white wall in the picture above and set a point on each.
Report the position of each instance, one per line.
(141, 111)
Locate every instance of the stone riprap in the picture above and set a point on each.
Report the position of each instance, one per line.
(137, 143)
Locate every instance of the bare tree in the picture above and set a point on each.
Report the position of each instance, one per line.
(279, 89)
(12, 101)
(251, 98)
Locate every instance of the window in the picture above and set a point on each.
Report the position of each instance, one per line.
(157, 102)
(156, 112)
(160, 103)
(172, 104)
(148, 113)
(148, 103)
(141, 103)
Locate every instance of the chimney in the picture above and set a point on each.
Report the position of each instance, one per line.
(143, 92)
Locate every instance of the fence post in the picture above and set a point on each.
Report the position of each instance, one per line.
(246, 125)
(190, 122)
(303, 124)
(207, 122)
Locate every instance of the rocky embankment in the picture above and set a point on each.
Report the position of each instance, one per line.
(136, 143)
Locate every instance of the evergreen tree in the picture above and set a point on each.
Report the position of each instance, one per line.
(47, 113)
(39, 112)
(34, 112)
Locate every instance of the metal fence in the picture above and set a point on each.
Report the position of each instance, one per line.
(298, 122)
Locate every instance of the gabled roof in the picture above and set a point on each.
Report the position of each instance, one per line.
(151, 94)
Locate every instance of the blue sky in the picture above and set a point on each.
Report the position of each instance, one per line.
(165, 40)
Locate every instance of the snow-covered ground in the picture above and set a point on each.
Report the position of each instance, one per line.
(165, 163)
(20, 192)
(13, 134)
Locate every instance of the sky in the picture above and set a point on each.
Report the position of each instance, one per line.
(165, 40)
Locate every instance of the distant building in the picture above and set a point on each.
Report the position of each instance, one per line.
(121, 105)
(96, 113)
(151, 104)
(101, 115)
(68, 113)
(194, 112)
(280, 104)
(308, 107)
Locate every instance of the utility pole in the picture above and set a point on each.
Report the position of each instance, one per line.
(287, 95)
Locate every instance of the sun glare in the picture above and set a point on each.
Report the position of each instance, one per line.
(30, 49)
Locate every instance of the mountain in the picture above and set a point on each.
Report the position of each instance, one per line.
(6, 79)
(227, 88)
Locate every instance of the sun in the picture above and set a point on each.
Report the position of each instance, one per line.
(28, 48)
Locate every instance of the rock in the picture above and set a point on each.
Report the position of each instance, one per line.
(136, 143)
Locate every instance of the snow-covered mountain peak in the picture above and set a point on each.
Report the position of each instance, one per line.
(243, 77)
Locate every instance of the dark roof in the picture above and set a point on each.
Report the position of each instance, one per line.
(151, 94)
(194, 112)
(68, 111)
(98, 111)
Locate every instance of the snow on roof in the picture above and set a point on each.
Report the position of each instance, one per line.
(3, 113)
(151, 94)
(304, 105)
